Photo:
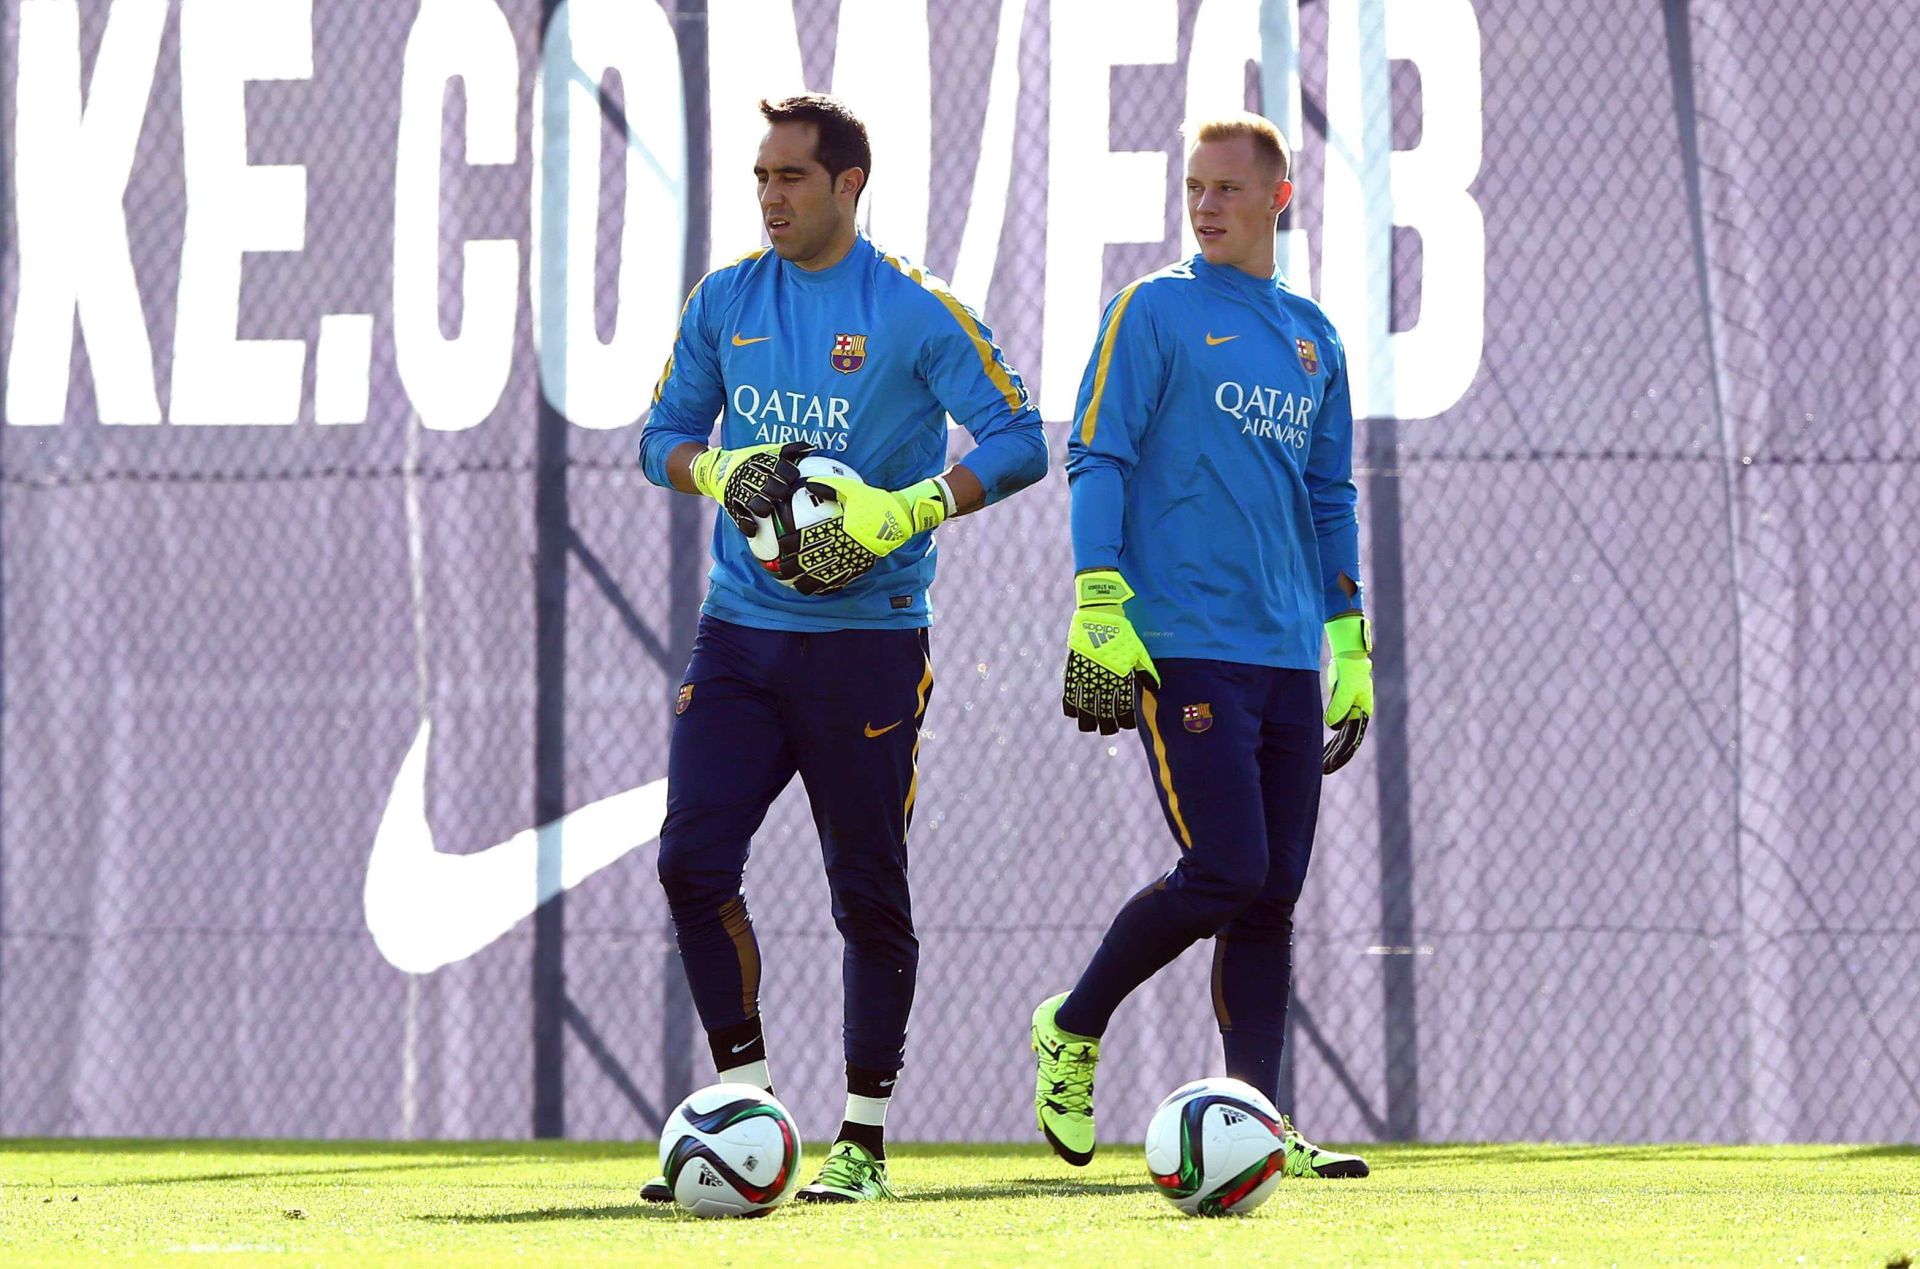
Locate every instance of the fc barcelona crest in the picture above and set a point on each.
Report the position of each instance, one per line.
(849, 353)
(686, 698)
(1309, 355)
(1197, 718)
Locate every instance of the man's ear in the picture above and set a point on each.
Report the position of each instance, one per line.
(1282, 195)
(853, 180)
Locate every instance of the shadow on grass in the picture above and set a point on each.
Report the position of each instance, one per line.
(269, 1159)
(457, 1150)
(205, 1178)
(605, 1212)
(1018, 1188)
(655, 1211)
(1010, 1188)
(1400, 1157)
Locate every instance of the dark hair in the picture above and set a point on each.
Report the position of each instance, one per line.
(842, 142)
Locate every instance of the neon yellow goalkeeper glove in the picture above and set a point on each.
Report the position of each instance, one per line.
(1105, 658)
(1350, 703)
(881, 520)
(872, 524)
(749, 482)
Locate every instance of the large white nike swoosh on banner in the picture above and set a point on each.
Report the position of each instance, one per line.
(426, 909)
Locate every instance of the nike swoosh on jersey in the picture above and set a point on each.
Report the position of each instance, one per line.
(1211, 340)
(738, 342)
(426, 909)
(871, 733)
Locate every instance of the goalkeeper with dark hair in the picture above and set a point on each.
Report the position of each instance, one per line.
(1214, 537)
(826, 344)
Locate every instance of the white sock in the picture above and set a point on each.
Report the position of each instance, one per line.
(867, 1110)
(754, 1073)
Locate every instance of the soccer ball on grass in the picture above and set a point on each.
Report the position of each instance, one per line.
(1215, 1148)
(730, 1150)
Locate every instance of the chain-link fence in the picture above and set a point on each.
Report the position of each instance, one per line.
(306, 647)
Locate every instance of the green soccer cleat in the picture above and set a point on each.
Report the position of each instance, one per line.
(851, 1175)
(656, 1191)
(1308, 1160)
(1063, 1089)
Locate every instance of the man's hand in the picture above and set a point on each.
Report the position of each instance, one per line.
(872, 524)
(750, 481)
(881, 520)
(1350, 704)
(1104, 655)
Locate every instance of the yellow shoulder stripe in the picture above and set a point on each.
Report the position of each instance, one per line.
(1092, 417)
(660, 386)
(989, 356)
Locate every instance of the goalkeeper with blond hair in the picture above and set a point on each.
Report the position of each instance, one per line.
(1215, 540)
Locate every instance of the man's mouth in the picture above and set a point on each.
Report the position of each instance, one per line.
(1207, 233)
(778, 224)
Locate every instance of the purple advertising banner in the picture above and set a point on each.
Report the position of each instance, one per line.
(340, 632)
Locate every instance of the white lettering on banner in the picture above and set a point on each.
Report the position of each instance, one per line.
(1356, 245)
(234, 207)
(592, 383)
(882, 62)
(993, 170)
(453, 383)
(1227, 38)
(72, 164)
(753, 51)
(1094, 195)
(77, 138)
(1437, 360)
(1410, 374)
(1281, 95)
(1422, 372)
(882, 68)
(341, 359)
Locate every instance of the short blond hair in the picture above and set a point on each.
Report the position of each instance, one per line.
(1266, 138)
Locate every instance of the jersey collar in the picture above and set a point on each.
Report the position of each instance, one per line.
(857, 258)
(1236, 279)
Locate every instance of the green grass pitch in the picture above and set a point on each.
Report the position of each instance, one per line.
(303, 1202)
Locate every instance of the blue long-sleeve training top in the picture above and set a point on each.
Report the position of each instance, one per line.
(862, 360)
(1211, 462)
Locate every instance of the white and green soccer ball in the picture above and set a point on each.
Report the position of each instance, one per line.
(1215, 1148)
(730, 1150)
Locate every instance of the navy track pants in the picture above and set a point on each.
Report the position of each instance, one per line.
(841, 709)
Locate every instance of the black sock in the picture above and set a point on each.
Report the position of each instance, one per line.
(872, 1136)
(866, 1083)
(737, 1045)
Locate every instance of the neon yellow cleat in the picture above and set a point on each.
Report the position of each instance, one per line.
(1063, 1089)
(1308, 1160)
(851, 1175)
